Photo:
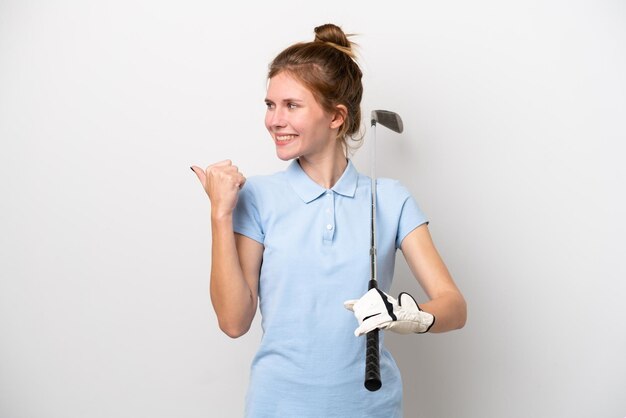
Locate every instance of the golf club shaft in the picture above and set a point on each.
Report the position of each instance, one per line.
(372, 351)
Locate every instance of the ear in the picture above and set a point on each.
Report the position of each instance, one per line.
(339, 117)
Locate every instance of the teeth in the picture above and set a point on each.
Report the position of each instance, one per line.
(284, 137)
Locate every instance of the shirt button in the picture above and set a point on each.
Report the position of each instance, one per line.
(329, 227)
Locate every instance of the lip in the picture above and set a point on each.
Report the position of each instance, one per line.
(289, 140)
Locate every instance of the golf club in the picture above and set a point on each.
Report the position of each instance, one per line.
(391, 121)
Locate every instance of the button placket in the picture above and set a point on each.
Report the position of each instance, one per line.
(329, 216)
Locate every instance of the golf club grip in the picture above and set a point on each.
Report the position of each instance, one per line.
(372, 362)
(372, 355)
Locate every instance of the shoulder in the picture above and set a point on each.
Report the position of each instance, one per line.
(396, 198)
(264, 182)
(392, 189)
(265, 189)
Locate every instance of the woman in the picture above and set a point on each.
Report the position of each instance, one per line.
(298, 243)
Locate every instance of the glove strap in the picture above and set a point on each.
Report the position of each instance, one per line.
(388, 305)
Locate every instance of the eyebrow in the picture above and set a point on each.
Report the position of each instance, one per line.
(284, 100)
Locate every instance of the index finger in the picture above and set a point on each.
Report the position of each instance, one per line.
(222, 163)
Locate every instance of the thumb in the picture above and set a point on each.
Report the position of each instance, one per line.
(199, 173)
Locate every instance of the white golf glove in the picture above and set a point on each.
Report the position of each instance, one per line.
(376, 309)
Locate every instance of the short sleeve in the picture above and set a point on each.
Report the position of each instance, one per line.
(246, 217)
(411, 217)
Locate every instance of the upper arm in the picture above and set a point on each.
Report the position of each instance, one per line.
(426, 264)
(250, 254)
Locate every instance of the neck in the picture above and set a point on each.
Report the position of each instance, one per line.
(325, 171)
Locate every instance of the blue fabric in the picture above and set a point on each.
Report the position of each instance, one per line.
(316, 256)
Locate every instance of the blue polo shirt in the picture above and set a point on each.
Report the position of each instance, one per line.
(316, 255)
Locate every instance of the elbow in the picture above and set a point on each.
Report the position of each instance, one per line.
(462, 314)
(233, 330)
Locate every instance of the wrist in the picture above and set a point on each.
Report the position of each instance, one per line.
(218, 217)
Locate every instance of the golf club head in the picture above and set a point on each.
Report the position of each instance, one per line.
(388, 119)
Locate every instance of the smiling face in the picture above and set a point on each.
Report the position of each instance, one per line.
(297, 123)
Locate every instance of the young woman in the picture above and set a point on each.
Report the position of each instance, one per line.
(298, 242)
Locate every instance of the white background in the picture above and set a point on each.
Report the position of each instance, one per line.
(514, 138)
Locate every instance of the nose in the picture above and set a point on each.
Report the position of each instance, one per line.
(275, 118)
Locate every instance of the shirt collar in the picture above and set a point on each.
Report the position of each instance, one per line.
(308, 190)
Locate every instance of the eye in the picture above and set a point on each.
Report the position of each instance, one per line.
(269, 105)
(291, 105)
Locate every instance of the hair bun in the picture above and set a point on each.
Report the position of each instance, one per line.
(333, 35)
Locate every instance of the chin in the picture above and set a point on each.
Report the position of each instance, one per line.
(285, 156)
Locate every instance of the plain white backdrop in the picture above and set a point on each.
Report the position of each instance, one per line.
(514, 146)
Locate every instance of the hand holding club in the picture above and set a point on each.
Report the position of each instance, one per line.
(378, 310)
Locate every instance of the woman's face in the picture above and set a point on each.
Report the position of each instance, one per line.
(297, 123)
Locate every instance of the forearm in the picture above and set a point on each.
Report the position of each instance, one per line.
(449, 309)
(446, 301)
(234, 301)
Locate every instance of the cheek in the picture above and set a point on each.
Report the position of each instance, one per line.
(268, 120)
